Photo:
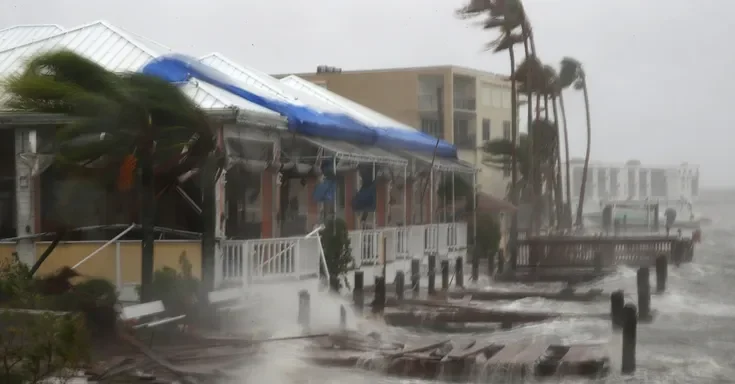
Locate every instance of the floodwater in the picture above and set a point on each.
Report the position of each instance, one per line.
(692, 340)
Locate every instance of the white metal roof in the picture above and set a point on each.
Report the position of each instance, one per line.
(23, 34)
(256, 81)
(356, 110)
(118, 51)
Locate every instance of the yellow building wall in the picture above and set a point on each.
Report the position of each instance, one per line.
(6, 252)
(104, 265)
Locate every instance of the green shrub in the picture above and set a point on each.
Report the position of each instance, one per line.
(337, 251)
(177, 290)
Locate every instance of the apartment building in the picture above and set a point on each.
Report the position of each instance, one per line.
(463, 106)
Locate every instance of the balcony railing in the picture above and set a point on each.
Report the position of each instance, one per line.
(428, 102)
(465, 104)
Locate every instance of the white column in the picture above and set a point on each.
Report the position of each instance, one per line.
(25, 210)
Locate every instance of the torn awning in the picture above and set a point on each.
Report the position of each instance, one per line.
(343, 150)
(250, 148)
(442, 163)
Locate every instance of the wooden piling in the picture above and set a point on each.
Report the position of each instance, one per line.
(379, 298)
(445, 274)
(304, 318)
(459, 272)
(662, 272)
(415, 276)
(476, 263)
(599, 261)
(432, 274)
(644, 293)
(358, 294)
(342, 317)
(630, 326)
(617, 302)
(400, 284)
(491, 264)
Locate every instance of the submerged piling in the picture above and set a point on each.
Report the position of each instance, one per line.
(629, 338)
(415, 276)
(358, 294)
(342, 317)
(662, 272)
(475, 264)
(304, 318)
(617, 302)
(379, 299)
(445, 274)
(400, 284)
(432, 274)
(459, 272)
(644, 294)
(501, 263)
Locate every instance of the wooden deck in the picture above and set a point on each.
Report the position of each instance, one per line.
(465, 360)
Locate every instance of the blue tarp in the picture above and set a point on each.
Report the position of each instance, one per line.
(177, 68)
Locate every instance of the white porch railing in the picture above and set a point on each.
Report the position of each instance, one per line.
(299, 258)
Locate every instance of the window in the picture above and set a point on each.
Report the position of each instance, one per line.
(432, 127)
(497, 98)
(464, 133)
(506, 99)
(486, 97)
(485, 129)
(506, 130)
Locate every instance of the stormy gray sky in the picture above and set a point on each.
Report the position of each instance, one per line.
(657, 69)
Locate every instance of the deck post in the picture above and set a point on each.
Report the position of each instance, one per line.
(644, 293)
(379, 298)
(445, 274)
(400, 284)
(304, 309)
(358, 294)
(415, 276)
(662, 271)
(629, 339)
(617, 302)
(342, 318)
(476, 263)
(459, 271)
(432, 274)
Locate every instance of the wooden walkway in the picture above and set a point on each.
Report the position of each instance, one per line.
(465, 360)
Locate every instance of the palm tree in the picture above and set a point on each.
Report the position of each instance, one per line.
(572, 73)
(123, 123)
(507, 16)
(553, 92)
(500, 155)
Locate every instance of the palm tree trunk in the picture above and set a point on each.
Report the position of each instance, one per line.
(586, 155)
(532, 161)
(513, 238)
(558, 194)
(568, 180)
(147, 222)
(60, 235)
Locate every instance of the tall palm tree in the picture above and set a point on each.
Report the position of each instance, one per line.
(553, 92)
(572, 73)
(507, 16)
(124, 122)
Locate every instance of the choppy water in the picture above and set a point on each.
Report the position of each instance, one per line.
(691, 341)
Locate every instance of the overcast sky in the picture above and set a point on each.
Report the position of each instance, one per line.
(656, 68)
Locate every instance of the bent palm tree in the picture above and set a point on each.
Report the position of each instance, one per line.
(572, 73)
(123, 122)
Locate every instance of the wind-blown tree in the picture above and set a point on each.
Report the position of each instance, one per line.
(507, 17)
(123, 124)
(572, 74)
(500, 155)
